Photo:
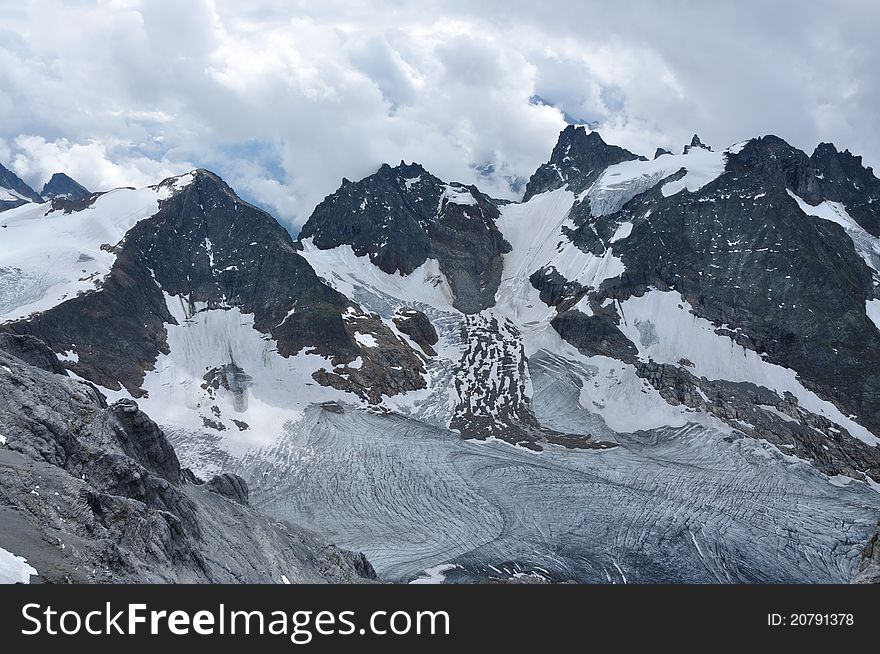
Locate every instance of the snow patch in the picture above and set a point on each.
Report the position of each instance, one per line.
(289, 314)
(681, 334)
(15, 569)
(457, 195)
(866, 245)
(209, 249)
(534, 230)
(366, 340)
(354, 276)
(736, 148)
(435, 575)
(278, 388)
(621, 182)
(69, 356)
(48, 256)
(622, 232)
(872, 308)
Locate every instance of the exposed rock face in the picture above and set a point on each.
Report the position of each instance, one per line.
(418, 327)
(386, 365)
(595, 335)
(843, 178)
(231, 486)
(826, 175)
(33, 351)
(577, 160)
(695, 143)
(13, 191)
(63, 187)
(868, 571)
(95, 493)
(760, 413)
(744, 254)
(400, 217)
(211, 249)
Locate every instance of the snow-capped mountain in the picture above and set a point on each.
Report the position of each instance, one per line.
(13, 191)
(62, 186)
(638, 373)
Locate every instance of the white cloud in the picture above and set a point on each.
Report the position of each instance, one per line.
(124, 92)
(96, 165)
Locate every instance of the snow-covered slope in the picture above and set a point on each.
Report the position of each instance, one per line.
(14, 569)
(621, 182)
(601, 383)
(48, 255)
(223, 376)
(14, 192)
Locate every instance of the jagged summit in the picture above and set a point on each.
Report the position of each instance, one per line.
(14, 192)
(710, 320)
(409, 169)
(60, 185)
(695, 143)
(826, 175)
(403, 216)
(578, 158)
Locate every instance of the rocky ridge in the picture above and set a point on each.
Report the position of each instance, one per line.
(93, 492)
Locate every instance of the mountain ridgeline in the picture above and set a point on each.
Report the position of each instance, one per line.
(400, 217)
(716, 311)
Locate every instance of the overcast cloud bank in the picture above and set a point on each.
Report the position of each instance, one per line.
(283, 99)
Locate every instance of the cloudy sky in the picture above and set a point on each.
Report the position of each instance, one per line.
(285, 98)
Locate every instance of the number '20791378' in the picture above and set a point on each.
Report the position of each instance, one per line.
(810, 620)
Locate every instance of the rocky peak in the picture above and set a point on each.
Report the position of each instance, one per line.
(843, 178)
(400, 217)
(211, 250)
(578, 158)
(659, 152)
(778, 163)
(61, 185)
(826, 175)
(695, 143)
(14, 191)
(408, 171)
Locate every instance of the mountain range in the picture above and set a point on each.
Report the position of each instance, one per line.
(646, 370)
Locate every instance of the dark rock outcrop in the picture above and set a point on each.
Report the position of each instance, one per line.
(387, 365)
(95, 493)
(401, 217)
(843, 178)
(826, 175)
(868, 571)
(554, 289)
(231, 486)
(695, 143)
(33, 351)
(577, 160)
(418, 327)
(20, 194)
(62, 186)
(594, 335)
(205, 245)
